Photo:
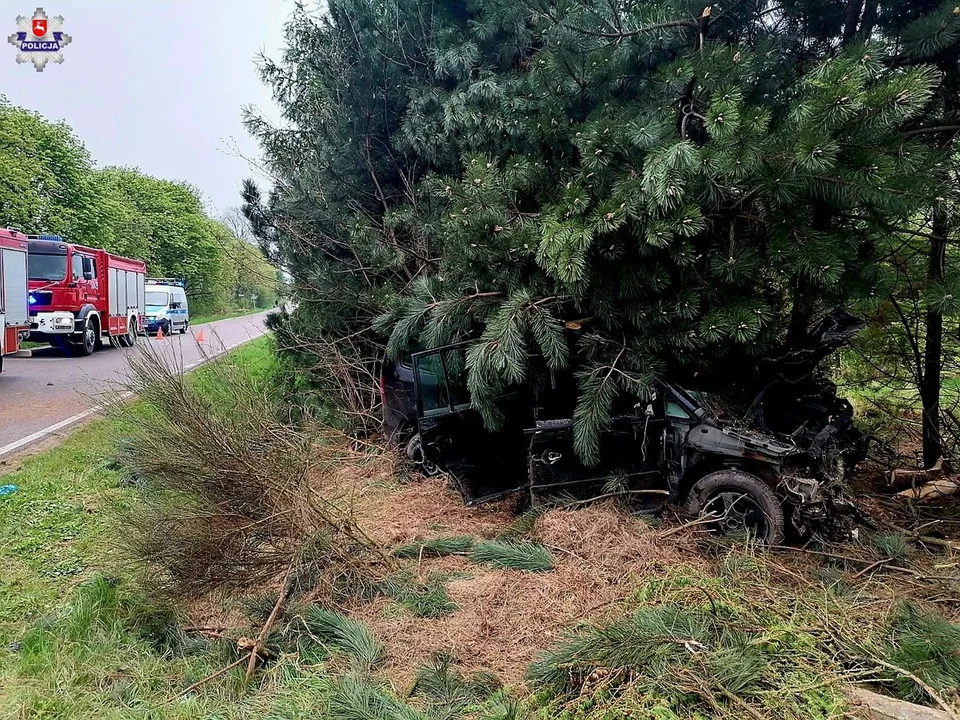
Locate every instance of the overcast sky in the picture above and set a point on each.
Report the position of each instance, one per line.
(155, 84)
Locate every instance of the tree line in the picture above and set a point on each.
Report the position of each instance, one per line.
(642, 188)
(50, 184)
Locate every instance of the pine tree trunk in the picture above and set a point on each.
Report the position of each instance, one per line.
(933, 349)
(851, 19)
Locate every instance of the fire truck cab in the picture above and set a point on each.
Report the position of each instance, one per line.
(80, 295)
(14, 318)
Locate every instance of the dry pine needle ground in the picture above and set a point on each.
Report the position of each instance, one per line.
(506, 617)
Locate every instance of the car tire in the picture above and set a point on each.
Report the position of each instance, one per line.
(744, 503)
(414, 452)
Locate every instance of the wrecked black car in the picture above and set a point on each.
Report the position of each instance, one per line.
(775, 465)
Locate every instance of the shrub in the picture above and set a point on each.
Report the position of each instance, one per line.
(231, 496)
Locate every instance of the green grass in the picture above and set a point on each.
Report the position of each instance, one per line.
(225, 315)
(426, 599)
(77, 639)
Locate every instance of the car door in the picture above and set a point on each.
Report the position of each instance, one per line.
(630, 454)
(482, 465)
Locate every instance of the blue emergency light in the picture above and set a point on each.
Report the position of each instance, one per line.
(177, 282)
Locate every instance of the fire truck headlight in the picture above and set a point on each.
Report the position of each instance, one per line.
(32, 299)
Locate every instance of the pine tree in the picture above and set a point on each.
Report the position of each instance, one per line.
(636, 188)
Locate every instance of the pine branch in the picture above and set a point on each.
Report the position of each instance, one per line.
(622, 34)
(928, 130)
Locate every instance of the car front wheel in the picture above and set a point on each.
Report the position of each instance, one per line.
(732, 502)
(414, 452)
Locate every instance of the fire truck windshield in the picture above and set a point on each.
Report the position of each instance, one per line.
(47, 267)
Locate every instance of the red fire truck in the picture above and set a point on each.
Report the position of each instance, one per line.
(80, 295)
(14, 319)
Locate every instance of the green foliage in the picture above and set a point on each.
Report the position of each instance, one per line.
(342, 634)
(665, 644)
(447, 692)
(892, 545)
(513, 555)
(427, 599)
(524, 526)
(926, 645)
(356, 699)
(437, 547)
(589, 186)
(49, 184)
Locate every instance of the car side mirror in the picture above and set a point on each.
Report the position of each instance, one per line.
(88, 276)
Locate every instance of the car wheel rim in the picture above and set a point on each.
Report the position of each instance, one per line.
(90, 336)
(736, 512)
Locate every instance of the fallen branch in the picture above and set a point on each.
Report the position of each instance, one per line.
(926, 687)
(686, 526)
(939, 542)
(881, 707)
(258, 646)
(900, 477)
(605, 496)
(933, 489)
(871, 566)
(208, 678)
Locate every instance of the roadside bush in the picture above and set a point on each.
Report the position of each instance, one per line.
(231, 497)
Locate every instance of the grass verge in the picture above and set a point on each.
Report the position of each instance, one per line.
(225, 315)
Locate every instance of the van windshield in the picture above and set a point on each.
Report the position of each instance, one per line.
(158, 298)
(47, 267)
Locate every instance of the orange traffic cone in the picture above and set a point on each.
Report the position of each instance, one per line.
(160, 334)
(200, 337)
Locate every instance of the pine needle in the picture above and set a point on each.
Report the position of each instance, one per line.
(437, 547)
(343, 634)
(514, 555)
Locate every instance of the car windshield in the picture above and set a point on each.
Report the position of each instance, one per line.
(47, 267)
(158, 298)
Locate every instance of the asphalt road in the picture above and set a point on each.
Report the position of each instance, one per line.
(48, 392)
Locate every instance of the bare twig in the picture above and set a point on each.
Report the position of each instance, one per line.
(208, 678)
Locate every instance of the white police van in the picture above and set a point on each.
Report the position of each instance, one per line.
(167, 308)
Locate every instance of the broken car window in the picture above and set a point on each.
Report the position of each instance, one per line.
(443, 381)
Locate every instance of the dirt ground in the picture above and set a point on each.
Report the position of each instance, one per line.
(505, 617)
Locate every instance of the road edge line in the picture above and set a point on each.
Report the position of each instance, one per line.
(50, 430)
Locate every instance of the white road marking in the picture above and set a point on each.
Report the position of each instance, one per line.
(40, 434)
(56, 426)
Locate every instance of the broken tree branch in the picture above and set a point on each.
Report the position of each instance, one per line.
(920, 683)
(258, 647)
(208, 678)
(882, 707)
